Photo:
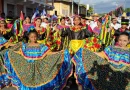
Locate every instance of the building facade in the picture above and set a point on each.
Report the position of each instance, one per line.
(14, 7)
(64, 8)
(61, 8)
(82, 9)
(1, 6)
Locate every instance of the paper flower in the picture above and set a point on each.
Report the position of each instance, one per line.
(93, 44)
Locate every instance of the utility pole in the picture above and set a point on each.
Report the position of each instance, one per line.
(93, 9)
(124, 4)
(116, 5)
(72, 7)
(87, 8)
(78, 6)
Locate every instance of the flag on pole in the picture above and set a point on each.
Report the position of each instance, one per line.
(20, 28)
(121, 11)
(21, 16)
(103, 31)
(43, 13)
(15, 30)
(35, 14)
(20, 23)
(54, 17)
(106, 33)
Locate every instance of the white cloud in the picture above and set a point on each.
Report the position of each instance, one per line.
(102, 6)
(115, 4)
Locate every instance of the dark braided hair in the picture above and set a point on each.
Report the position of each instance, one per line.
(33, 31)
(125, 33)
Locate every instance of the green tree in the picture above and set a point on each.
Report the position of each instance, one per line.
(90, 11)
(127, 10)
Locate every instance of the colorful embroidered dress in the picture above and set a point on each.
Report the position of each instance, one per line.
(3, 80)
(111, 74)
(76, 37)
(62, 44)
(4, 38)
(128, 45)
(93, 44)
(118, 58)
(41, 36)
(57, 38)
(2, 41)
(26, 26)
(96, 30)
(9, 25)
(28, 70)
(7, 34)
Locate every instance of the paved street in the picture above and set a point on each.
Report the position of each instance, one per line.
(11, 88)
(72, 88)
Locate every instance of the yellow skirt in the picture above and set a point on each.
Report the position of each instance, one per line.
(41, 41)
(75, 45)
(128, 45)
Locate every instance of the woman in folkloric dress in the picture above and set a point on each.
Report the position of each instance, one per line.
(76, 35)
(4, 43)
(27, 24)
(61, 42)
(40, 30)
(32, 66)
(6, 32)
(110, 74)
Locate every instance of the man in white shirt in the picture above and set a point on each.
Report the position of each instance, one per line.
(69, 21)
(93, 23)
(44, 21)
(89, 19)
(115, 24)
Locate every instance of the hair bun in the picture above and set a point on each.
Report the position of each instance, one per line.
(31, 28)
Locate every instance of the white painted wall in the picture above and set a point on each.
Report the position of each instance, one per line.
(5, 7)
(24, 10)
(15, 9)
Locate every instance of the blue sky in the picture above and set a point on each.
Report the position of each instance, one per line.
(103, 6)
